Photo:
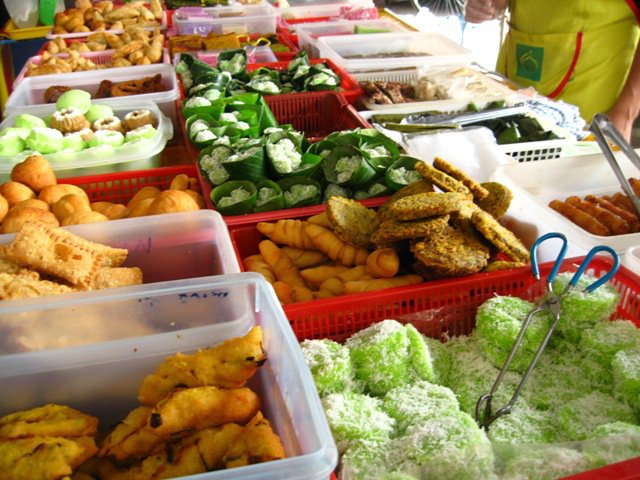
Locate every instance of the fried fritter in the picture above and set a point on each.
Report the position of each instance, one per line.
(228, 365)
(420, 186)
(498, 201)
(132, 437)
(43, 458)
(49, 420)
(256, 443)
(392, 231)
(502, 265)
(351, 221)
(425, 205)
(479, 191)
(443, 181)
(501, 237)
(451, 253)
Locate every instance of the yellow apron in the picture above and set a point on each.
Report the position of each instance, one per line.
(579, 51)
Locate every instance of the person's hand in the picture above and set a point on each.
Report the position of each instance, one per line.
(477, 11)
(623, 123)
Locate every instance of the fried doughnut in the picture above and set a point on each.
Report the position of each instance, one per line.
(69, 120)
(479, 191)
(139, 118)
(109, 123)
(613, 222)
(580, 218)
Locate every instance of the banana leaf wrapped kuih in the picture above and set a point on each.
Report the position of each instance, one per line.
(300, 191)
(270, 196)
(402, 172)
(235, 198)
(346, 165)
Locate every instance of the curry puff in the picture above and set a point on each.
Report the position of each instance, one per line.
(228, 365)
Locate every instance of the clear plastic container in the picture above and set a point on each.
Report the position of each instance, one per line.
(130, 156)
(239, 19)
(24, 13)
(162, 26)
(308, 33)
(103, 379)
(28, 95)
(380, 51)
(312, 9)
(631, 259)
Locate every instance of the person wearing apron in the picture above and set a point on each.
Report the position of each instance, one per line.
(584, 52)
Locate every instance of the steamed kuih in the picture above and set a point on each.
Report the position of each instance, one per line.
(330, 365)
(74, 99)
(98, 112)
(626, 376)
(612, 442)
(544, 462)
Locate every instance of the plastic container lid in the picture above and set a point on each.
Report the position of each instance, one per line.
(631, 259)
(69, 164)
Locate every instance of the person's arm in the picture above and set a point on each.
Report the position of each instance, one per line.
(477, 11)
(627, 107)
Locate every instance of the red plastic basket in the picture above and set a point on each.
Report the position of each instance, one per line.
(119, 187)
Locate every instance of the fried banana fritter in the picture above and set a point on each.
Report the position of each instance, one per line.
(498, 201)
(443, 181)
(256, 443)
(420, 186)
(425, 205)
(228, 365)
(451, 253)
(501, 237)
(351, 221)
(132, 437)
(50, 420)
(392, 231)
(43, 458)
(502, 265)
(479, 191)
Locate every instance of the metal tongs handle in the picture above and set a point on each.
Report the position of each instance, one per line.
(601, 127)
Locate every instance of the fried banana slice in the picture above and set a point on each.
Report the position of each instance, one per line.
(498, 201)
(501, 237)
(420, 186)
(502, 265)
(451, 253)
(351, 221)
(256, 443)
(46, 458)
(228, 365)
(50, 420)
(392, 231)
(479, 191)
(132, 437)
(443, 181)
(425, 205)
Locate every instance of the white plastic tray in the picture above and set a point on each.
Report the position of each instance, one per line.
(428, 48)
(29, 94)
(311, 9)
(143, 155)
(103, 379)
(116, 31)
(240, 19)
(537, 183)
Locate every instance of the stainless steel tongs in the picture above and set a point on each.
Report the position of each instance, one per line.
(601, 127)
(485, 415)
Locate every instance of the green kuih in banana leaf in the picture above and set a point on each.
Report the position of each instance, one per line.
(200, 105)
(233, 61)
(301, 58)
(336, 190)
(245, 143)
(248, 164)
(347, 166)
(402, 172)
(253, 102)
(380, 155)
(376, 189)
(321, 78)
(284, 152)
(235, 197)
(323, 147)
(264, 84)
(300, 191)
(243, 122)
(211, 161)
(270, 196)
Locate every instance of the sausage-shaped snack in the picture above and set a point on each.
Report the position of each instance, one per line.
(631, 219)
(613, 222)
(580, 218)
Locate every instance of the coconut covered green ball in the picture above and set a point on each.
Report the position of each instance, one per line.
(415, 403)
(364, 459)
(543, 462)
(449, 446)
(355, 416)
(330, 365)
(380, 356)
(524, 424)
(611, 443)
(498, 322)
(419, 354)
(74, 99)
(440, 359)
(579, 417)
(582, 310)
(605, 339)
(626, 376)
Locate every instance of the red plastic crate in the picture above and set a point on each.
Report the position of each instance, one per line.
(119, 187)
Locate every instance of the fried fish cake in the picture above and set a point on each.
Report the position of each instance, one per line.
(451, 253)
(351, 221)
(49, 420)
(501, 237)
(498, 201)
(392, 231)
(420, 186)
(479, 191)
(502, 265)
(256, 443)
(228, 365)
(443, 181)
(425, 205)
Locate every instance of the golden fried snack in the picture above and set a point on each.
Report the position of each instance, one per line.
(620, 199)
(4, 207)
(8, 266)
(35, 172)
(16, 192)
(501, 237)
(17, 217)
(443, 181)
(420, 186)
(630, 218)
(502, 265)
(132, 437)
(392, 231)
(145, 192)
(228, 365)
(52, 193)
(635, 185)
(113, 211)
(580, 218)
(366, 285)
(287, 232)
(451, 252)
(498, 201)
(383, 263)
(70, 204)
(305, 258)
(613, 222)
(256, 443)
(328, 242)
(291, 293)
(352, 222)
(281, 265)
(479, 191)
(117, 277)
(79, 218)
(255, 263)
(425, 205)
(320, 219)
(48, 420)
(27, 284)
(43, 458)
(316, 275)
